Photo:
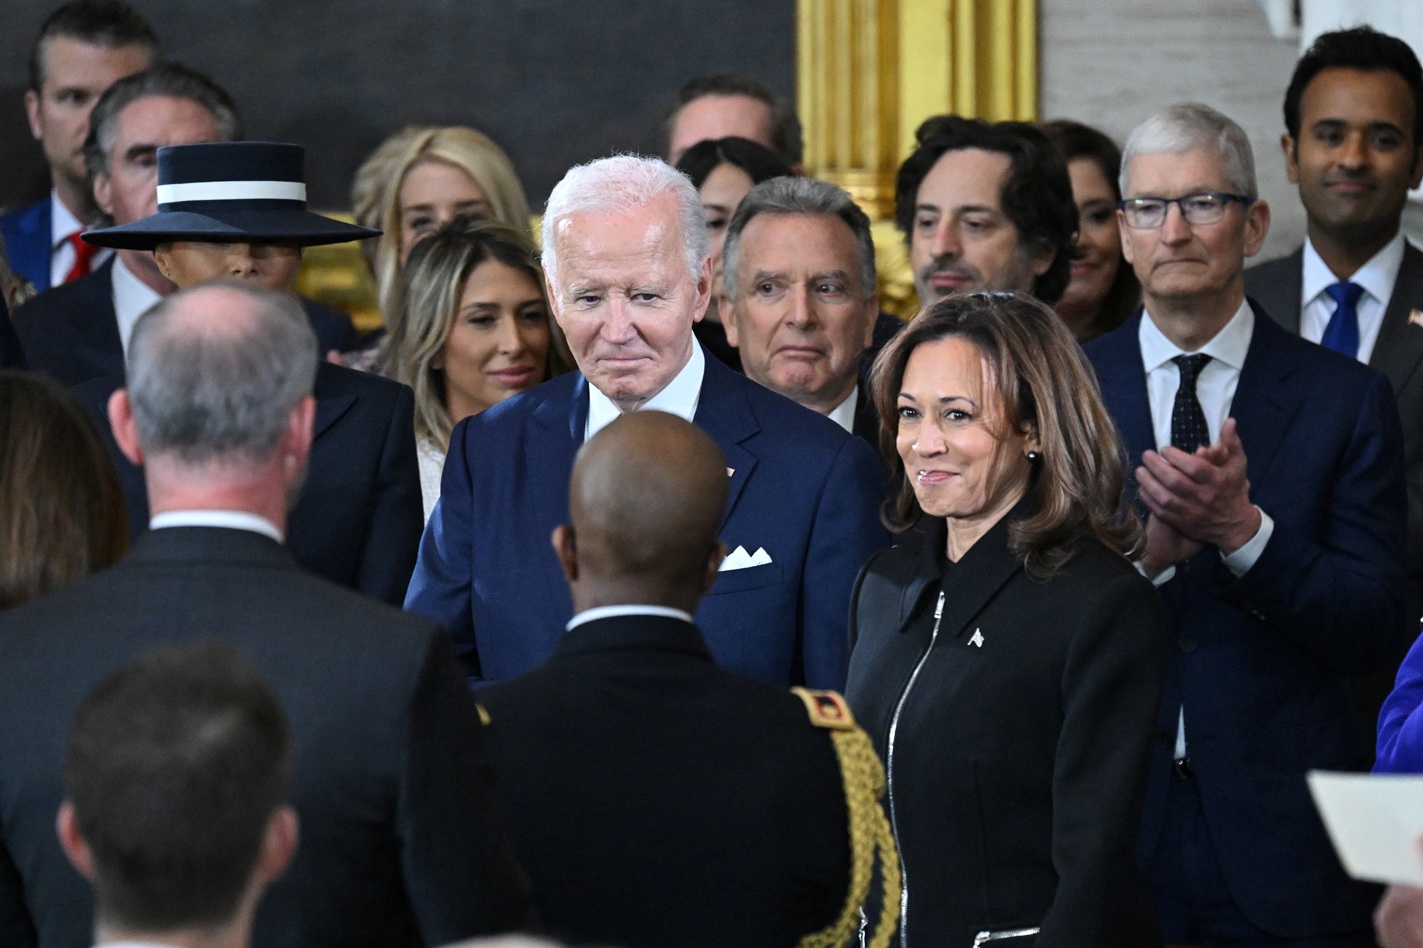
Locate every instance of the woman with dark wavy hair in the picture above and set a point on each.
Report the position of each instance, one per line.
(1103, 291)
(1006, 655)
(62, 513)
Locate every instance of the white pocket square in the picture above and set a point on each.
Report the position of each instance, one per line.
(740, 559)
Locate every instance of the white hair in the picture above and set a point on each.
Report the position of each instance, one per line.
(1187, 126)
(618, 184)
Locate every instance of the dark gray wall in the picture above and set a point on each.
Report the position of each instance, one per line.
(555, 82)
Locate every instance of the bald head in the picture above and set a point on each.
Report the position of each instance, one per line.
(646, 500)
(215, 371)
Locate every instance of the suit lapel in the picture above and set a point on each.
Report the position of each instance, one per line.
(96, 325)
(1278, 289)
(1399, 349)
(1263, 403)
(1122, 376)
(978, 576)
(724, 412)
(332, 399)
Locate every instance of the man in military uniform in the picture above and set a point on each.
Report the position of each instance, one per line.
(655, 798)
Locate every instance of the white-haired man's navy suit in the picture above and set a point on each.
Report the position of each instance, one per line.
(803, 490)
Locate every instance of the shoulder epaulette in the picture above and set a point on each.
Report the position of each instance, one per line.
(826, 709)
(483, 714)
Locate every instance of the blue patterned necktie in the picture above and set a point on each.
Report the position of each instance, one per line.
(1188, 421)
(1342, 333)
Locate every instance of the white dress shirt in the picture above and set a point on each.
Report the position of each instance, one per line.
(228, 519)
(132, 298)
(679, 397)
(62, 226)
(1377, 278)
(608, 612)
(1215, 390)
(843, 414)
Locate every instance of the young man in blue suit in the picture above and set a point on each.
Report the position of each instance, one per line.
(81, 50)
(1271, 472)
(628, 274)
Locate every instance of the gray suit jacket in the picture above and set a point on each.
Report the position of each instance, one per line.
(1398, 355)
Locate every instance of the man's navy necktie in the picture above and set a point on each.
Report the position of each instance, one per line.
(1342, 333)
(1188, 421)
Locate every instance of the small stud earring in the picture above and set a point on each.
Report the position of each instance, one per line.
(1034, 457)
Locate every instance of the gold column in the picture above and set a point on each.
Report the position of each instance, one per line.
(869, 71)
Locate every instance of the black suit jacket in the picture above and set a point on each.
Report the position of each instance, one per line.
(359, 518)
(401, 840)
(71, 333)
(1398, 354)
(1022, 731)
(659, 801)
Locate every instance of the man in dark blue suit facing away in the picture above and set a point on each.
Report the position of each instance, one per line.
(1280, 580)
(628, 274)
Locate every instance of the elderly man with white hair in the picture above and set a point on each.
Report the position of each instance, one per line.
(626, 254)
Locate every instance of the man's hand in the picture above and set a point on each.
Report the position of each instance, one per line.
(1398, 921)
(1164, 547)
(1204, 496)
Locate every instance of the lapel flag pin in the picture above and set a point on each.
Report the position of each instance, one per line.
(1416, 317)
(731, 472)
(977, 638)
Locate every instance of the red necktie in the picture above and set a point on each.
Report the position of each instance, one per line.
(84, 253)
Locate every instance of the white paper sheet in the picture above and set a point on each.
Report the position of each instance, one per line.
(1375, 822)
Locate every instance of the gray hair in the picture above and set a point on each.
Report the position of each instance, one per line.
(1187, 126)
(619, 184)
(225, 390)
(801, 196)
(167, 79)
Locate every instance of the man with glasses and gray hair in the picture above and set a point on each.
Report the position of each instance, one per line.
(1280, 583)
(799, 267)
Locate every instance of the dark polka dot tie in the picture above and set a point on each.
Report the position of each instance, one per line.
(1188, 422)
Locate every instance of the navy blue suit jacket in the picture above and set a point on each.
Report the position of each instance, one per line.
(802, 488)
(358, 520)
(1261, 662)
(72, 334)
(26, 232)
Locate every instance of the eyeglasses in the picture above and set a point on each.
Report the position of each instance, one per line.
(1148, 213)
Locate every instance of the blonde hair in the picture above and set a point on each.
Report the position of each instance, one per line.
(427, 302)
(375, 192)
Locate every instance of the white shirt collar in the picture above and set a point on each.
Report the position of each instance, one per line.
(132, 298)
(843, 414)
(608, 612)
(1377, 276)
(62, 224)
(679, 397)
(228, 519)
(1228, 346)
(133, 944)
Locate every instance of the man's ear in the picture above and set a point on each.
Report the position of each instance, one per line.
(279, 844)
(871, 318)
(726, 309)
(125, 430)
(32, 113)
(718, 553)
(297, 436)
(103, 188)
(1287, 145)
(565, 548)
(66, 827)
(704, 290)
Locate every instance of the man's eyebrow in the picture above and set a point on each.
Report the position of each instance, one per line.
(139, 149)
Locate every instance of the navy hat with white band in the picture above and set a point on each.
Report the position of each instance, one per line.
(230, 191)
